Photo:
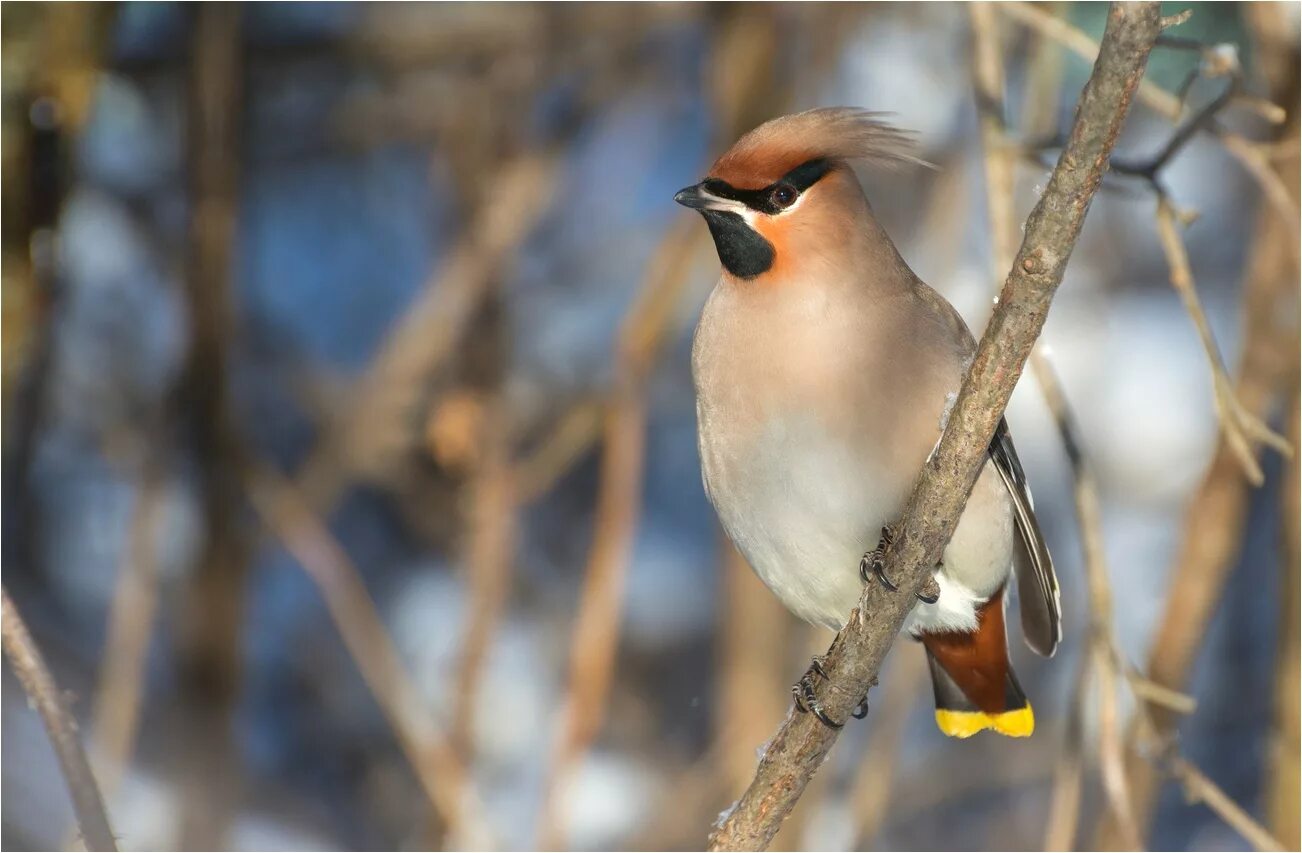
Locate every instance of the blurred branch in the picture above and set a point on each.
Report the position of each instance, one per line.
(596, 626)
(1216, 516)
(750, 666)
(1065, 806)
(1241, 426)
(1199, 789)
(209, 647)
(873, 788)
(130, 625)
(490, 552)
(560, 449)
(1283, 791)
(802, 743)
(1242, 429)
(381, 420)
(1069, 771)
(43, 693)
(1102, 652)
(442, 776)
(1254, 157)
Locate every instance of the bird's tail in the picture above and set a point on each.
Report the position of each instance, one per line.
(974, 682)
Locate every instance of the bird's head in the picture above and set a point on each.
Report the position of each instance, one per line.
(786, 191)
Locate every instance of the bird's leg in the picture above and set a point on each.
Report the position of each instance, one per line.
(875, 562)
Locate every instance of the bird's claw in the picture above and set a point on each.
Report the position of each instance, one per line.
(807, 700)
(874, 563)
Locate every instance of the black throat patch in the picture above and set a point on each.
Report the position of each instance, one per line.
(743, 251)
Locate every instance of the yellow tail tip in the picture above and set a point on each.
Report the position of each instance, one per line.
(963, 724)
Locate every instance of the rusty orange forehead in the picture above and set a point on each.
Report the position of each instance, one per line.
(748, 169)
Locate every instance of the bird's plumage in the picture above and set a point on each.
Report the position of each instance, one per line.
(824, 369)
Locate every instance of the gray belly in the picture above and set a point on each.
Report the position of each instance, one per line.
(801, 508)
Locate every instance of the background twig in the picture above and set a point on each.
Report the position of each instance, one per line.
(35, 676)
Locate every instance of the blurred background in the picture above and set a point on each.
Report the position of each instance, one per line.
(350, 478)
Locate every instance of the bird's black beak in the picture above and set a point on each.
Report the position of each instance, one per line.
(694, 197)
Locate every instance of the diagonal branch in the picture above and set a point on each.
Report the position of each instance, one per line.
(802, 743)
(29, 666)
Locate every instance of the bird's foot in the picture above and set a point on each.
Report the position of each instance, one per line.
(807, 699)
(874, 563)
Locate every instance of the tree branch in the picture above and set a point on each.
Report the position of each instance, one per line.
(802, 742)
(41, 690)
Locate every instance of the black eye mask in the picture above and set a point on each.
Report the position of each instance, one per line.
(799, 179)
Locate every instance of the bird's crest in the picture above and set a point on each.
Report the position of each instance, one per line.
(776, 147)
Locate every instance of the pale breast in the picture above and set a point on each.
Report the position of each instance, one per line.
(813, 425)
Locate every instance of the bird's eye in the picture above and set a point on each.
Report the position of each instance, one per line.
(783, 196)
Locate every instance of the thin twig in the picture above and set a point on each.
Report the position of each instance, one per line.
(29, 666)
(1069, 772)
(1200, 789)
(1101, 657)
(802, 742)
(1249, 154)
(490, 542)
(1241, 427)
(130, 624)
(871, 793)
(441, 774)
(557, 452)
(751, 667)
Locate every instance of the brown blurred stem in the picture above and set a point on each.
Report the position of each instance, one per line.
(1282, 785)
(130, 624)
(754, 638)
(491, 538)
(43, 692)
(209, 649)
(1216, 516)
(802, 743)
(440, 772)
(374, 430)
(595, 637)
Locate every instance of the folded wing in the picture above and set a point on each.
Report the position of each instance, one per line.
(1037, 584)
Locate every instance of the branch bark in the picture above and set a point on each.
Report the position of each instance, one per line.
(802, 743)
(39, 685)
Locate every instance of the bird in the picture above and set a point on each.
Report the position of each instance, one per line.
(824, 370)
